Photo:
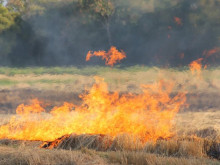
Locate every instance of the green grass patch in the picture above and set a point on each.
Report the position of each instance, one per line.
(54, 70)
(7, 82)
(88, 70)
(49, 81)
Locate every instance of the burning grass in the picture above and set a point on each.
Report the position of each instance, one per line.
(124, 149)
(102, 149)
(194, 140)
(147, 116)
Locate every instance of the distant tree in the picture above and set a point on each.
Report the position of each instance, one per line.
(8, 24)
(33, 7)
(25, 7)
(101, 9)
(7, 18)
(16, 5)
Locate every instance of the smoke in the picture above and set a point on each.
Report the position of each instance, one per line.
(62, 33)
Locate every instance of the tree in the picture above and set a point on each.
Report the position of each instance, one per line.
(8, 24)
(7, 18)
(101, 9)
(17, 5)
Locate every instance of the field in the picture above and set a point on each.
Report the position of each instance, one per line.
(197, 125)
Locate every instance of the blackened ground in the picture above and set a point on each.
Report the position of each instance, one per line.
(11, 98)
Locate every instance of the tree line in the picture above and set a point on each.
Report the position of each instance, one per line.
(151, 32)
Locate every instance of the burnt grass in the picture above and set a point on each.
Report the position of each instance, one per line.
(11, 98)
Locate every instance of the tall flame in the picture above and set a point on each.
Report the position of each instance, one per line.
(147, 116)
(196, 67)
(111, 57)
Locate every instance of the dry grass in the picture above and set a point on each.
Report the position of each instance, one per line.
(23, 155)
(177, 146)
(121, 80)
(203, 124)
(34, 156)
(57, 88)
(143, 158)
(186, 147)
(4, 118)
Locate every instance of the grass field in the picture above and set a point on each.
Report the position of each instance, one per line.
(200, 118)
(122, 79)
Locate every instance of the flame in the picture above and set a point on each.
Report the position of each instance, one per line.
(178, 20)
(211, 52)
(28, 109)
(111, 57)
(196, 67)
(147, 116)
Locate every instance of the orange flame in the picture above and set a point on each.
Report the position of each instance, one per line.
(196, 67)
(27, 109)
(111, 57)
(178, 20)
(211, 52)
(147, 116)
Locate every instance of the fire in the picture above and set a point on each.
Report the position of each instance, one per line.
(111, 57)
(196, 67)
(147, 116)
(211, 52)
(28, 109)
(178, 20)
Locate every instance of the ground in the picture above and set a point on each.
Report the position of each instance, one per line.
(199, 117)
